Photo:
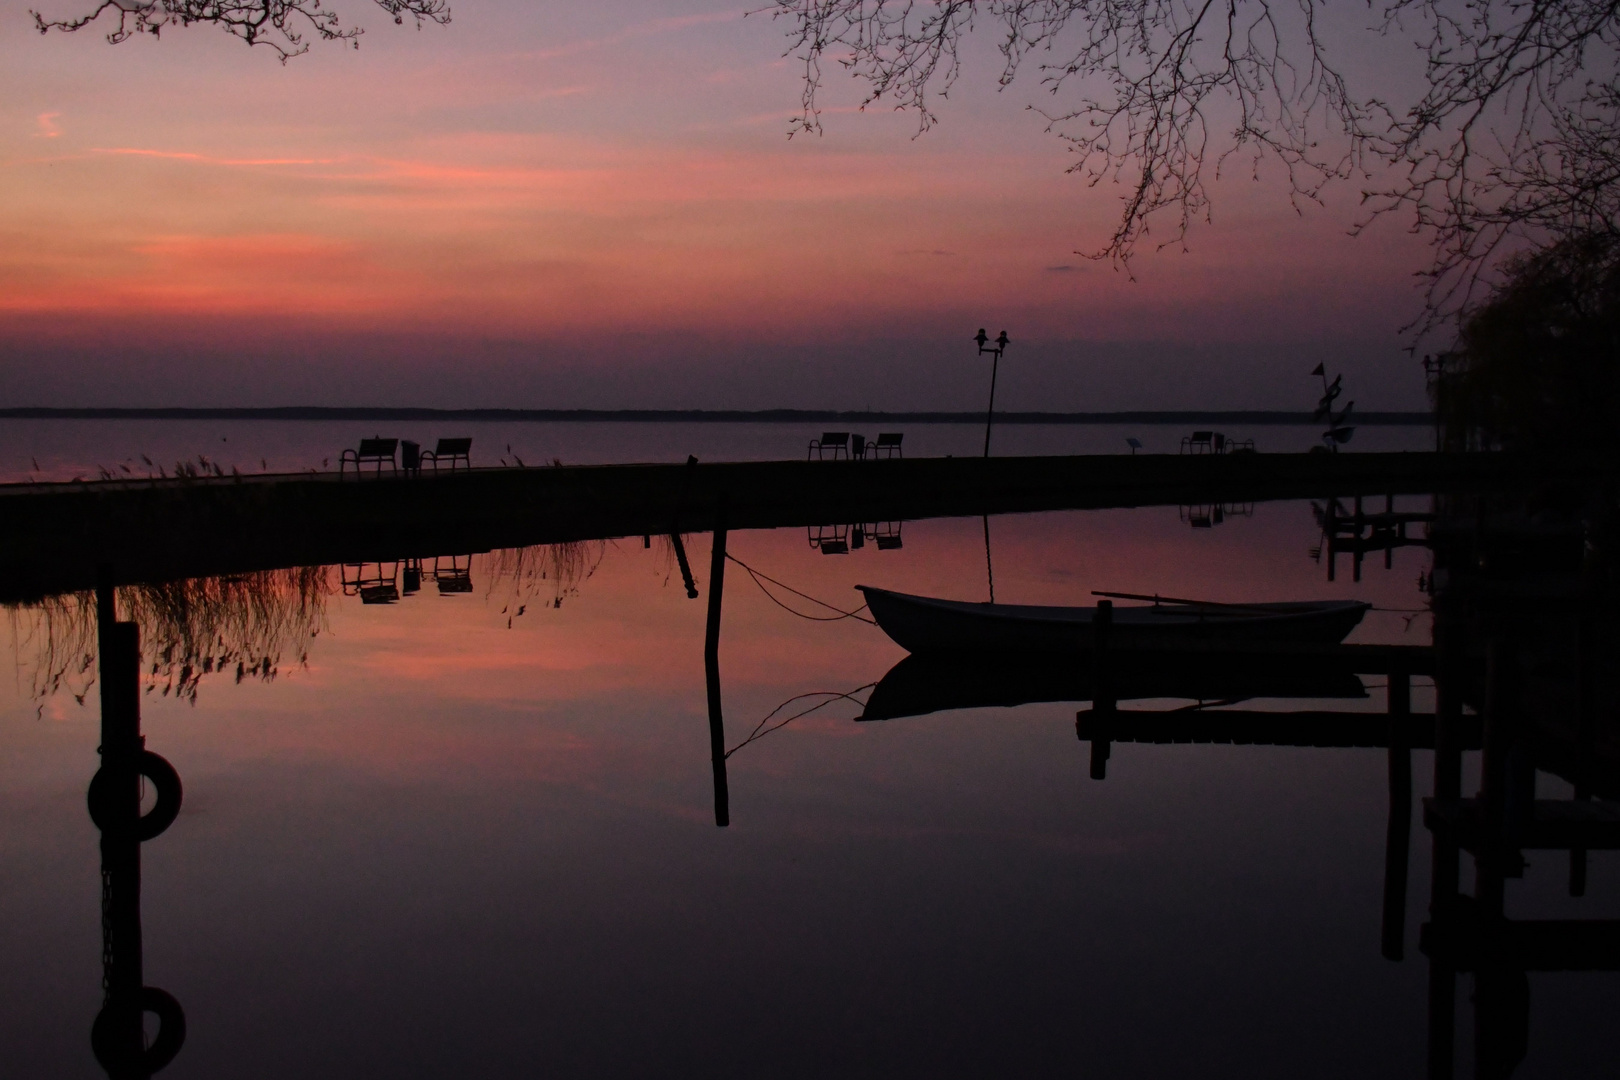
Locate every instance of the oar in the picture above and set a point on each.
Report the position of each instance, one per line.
(1187, 603)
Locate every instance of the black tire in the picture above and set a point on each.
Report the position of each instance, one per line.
(160, 774)
(124, 1060)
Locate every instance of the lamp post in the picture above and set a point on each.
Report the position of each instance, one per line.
(994, 348)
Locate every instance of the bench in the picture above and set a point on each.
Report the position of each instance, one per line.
(887, 444)
(451, 450)
(371, 451)
(836, 441)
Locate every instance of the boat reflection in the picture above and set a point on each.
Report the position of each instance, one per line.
(928, 683)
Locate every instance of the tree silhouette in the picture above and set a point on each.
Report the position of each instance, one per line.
(1511, 138)
(278, 24)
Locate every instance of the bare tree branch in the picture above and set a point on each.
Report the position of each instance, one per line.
(1511, 139)
(279, 24)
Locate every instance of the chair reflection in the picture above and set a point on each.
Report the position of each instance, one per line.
(118, 1038)
(830, 539)
(453, 574)
(1209, 515)
(842, 539)
(373, 583)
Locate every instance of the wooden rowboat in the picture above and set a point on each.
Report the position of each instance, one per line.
(924, 624)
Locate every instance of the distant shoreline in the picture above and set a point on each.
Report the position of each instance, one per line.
(726, 416)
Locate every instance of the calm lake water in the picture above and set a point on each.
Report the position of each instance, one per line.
(470, 833)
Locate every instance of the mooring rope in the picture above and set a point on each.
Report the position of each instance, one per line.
(842, 614)
(760, 730)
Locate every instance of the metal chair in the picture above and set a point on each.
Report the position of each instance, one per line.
(451, 450)
(835, 441)
(887, 444)
(371, 451)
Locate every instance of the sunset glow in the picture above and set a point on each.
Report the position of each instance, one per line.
(526, 174)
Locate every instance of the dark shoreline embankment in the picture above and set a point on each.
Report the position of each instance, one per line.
(54, 536)
(721, 416)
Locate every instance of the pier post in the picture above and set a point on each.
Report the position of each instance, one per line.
(1444, 866)
(1398, 838)
(118, 1036)
(1499, 737)
(1102, 690)
(686, 567)
(989, 566)
(711, 671)
(1585, 646)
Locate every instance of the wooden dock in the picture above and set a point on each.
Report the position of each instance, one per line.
(53, 537)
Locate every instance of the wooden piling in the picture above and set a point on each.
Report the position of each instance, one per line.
(1494, 855)
(1445, 858)
(1585, 717)
(686, 567)
(1398, 837)
(711, 671)
(1102, 690)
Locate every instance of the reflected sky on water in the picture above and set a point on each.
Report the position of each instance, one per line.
(452, 839)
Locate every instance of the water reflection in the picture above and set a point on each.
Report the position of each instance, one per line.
(119, 1036)
(245, 626)
(1358, 533)
(843, 539)
(1506, 681)
(1209, 515)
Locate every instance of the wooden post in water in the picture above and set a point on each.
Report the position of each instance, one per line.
(711, 671)
(989, 567)
(118, 1037)
(1444, 866)
(1102, 690)
(1398, 838)
(1498, 737)
(1330, 520)
(686, 567)
(1585, 646)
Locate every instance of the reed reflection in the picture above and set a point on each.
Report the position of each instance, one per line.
(246, 626)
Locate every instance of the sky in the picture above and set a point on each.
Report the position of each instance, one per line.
(553, 205)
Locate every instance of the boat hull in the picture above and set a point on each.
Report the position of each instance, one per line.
(922, 624)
